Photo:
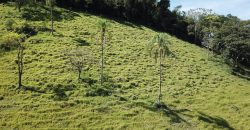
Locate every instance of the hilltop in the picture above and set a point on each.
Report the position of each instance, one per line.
(199, 91)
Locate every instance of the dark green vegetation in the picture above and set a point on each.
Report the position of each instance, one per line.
(224, 35)
(199, 92)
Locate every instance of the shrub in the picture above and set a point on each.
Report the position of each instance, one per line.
(9, 41)
(9, 24)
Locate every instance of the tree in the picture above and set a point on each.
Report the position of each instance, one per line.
(78, 59)
(158, 49)
(13, 41)
(20, 56)
(196, 15)
(104, 35)
(51, 3)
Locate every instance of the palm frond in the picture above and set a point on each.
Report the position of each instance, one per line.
(158, 47)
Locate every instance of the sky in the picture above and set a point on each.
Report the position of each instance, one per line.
(239, 8)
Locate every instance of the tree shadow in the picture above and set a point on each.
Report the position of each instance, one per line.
(118, 20)
(32, 89)
(108, 88)
(178, 115)
(42, 13)
(82, 42)
(220, 122)
(59, 94)
(133, 25)
(174, 115)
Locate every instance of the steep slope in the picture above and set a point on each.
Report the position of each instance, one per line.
(199, 91)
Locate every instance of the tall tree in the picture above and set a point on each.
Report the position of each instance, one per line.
(196, 15)
(158, 49)
(104, 35)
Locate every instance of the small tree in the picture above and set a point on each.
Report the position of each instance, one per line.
(78, 59)
(104, 34)
(158, 49)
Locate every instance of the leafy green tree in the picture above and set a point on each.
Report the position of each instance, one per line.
(104, 36)
(195, 15)
(158, 49)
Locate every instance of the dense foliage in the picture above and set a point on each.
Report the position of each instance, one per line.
(228, 36)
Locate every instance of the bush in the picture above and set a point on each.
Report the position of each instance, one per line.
(9, 41)
(9, 24)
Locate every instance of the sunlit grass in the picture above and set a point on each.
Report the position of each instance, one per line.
(199, 91)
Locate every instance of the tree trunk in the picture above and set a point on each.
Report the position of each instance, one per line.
(159, 98)
(51, 17)
(20, 65)
(103, 40)
(79, 76)
(195, 34)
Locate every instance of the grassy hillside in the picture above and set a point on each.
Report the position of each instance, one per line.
(199, 91)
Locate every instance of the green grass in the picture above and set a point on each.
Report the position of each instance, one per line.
(199, 91)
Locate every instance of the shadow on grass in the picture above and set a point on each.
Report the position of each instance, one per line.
(32, 89)
(108, 87)
(133, 25)
(82, 42)
(174, 115)
(42, 13)
(220, 122)
(177, 115)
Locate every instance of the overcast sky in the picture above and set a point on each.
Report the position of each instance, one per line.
(240, 8)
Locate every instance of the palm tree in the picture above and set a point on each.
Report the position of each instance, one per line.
(104, 36)
(158, 49)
